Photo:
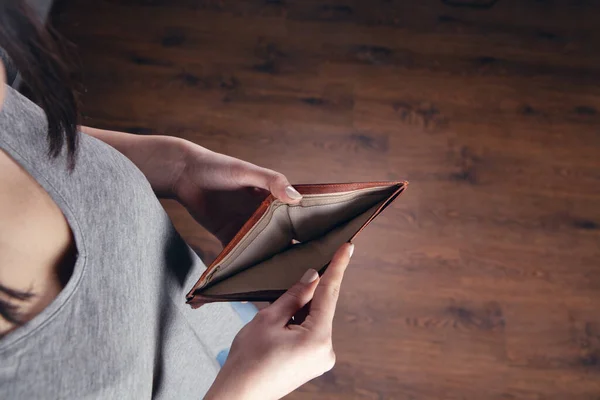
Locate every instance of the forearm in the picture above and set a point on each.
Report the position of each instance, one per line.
(160, 158)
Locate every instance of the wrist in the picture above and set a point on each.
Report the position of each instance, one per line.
(230, 384)
(175, 152)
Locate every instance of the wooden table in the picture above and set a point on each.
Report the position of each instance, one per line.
(483, 280)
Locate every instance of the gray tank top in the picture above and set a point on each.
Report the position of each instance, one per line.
(120, 329)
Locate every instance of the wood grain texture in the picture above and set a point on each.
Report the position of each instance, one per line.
(483, 280)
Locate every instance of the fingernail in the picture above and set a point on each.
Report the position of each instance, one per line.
(351, 250)
(309, 276)
(292, 193)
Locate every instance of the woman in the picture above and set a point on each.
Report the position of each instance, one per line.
(93, 275)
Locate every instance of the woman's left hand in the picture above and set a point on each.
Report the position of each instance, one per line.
(222, 192)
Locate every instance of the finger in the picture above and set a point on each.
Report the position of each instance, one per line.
(326, 294)
(273, 181)
(284, 308)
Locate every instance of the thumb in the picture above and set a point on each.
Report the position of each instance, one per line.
(280, 187)
(273, 181)
(295, 297)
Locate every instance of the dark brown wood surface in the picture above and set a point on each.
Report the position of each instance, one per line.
(483, 280)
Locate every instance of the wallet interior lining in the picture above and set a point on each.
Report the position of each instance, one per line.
(320, 222)
(281, 271)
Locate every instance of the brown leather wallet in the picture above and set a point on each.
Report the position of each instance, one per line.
(280, 241)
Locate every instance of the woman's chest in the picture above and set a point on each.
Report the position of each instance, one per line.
(36, 244)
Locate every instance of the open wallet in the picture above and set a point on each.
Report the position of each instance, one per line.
(280, 241)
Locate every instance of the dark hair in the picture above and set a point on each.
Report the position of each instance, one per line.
(39, 54)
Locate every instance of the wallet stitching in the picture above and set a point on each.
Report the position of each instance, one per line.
(367, 190)
(351, 186)
(373, 193)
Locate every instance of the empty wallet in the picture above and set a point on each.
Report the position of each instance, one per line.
(280, 241)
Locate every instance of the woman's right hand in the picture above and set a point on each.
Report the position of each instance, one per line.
(270, 357)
